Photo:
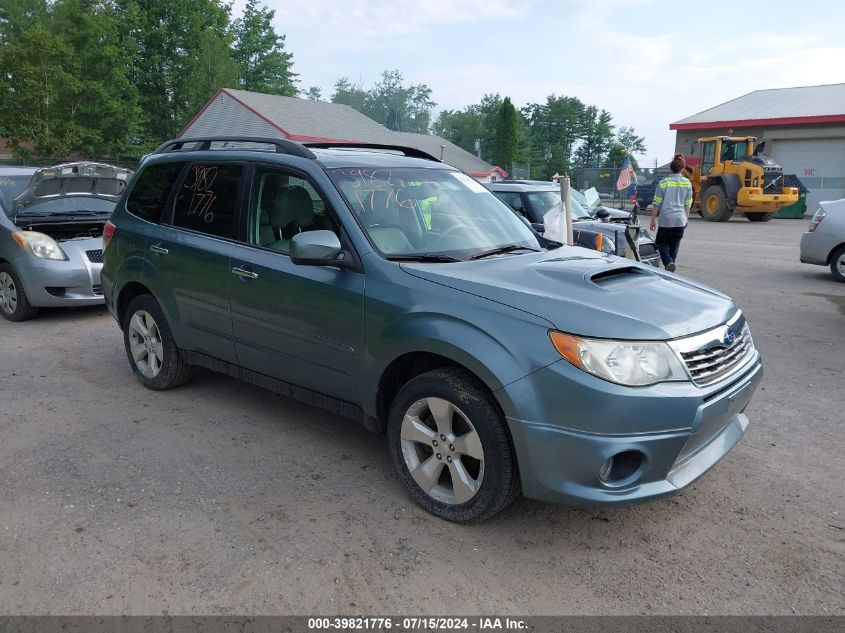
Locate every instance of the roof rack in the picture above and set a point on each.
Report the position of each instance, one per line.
(411, 152)
(282, 145)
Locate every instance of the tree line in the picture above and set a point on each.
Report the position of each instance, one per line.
(114, 78)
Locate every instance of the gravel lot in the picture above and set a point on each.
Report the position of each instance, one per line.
(221, 498)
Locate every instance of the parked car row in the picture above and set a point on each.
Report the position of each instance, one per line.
(535, 199)
(396, 291)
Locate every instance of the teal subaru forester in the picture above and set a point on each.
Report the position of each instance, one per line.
(391, 289)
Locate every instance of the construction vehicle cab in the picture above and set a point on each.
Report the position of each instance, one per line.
(729, 174)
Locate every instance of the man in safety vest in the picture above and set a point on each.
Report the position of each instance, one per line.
(672, 202)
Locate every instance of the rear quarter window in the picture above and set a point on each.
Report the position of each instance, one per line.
(207, 199)
(152, 189)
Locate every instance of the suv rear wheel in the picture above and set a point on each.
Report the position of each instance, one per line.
(450, 447)
(150, 346)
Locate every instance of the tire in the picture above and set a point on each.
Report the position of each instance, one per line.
(156, 361)
(714, 205)
(837, 264)
(476, 448)
(759, 217)
(14, 304)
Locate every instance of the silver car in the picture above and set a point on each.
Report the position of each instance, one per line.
(823, 243)
(51, 228)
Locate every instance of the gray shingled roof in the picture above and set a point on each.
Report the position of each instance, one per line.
(452, 154)
(807, 101)
(302, 117)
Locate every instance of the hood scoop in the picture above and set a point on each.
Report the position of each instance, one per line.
(624, 277)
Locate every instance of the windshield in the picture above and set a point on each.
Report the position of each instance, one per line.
(412, 212)
(70, 205)
(543, 201)
(10, 188)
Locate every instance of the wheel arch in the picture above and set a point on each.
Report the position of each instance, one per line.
(407, 367)
(730, 184)
(832, 251)
(127, 293)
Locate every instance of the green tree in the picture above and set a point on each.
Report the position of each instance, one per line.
(627, 137)
(596, 136)
(182, 59)
(65, 82)
(476, 122)
(554, 127)
(506, 140)
(405, 107)
(314, 93)
(348, 93)
(259, 53)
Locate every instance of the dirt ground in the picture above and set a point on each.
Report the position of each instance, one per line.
(221, 498)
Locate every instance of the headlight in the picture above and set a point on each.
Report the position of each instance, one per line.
(632, 363)
(39, 244)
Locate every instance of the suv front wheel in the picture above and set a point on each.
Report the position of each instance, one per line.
(450, 447)
(150, 346)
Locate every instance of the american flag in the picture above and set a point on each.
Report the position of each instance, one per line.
(625, 175)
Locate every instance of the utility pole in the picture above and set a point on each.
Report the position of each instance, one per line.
(567, 207)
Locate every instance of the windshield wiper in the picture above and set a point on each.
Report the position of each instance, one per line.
(423, 257)
(505, 249)
(53, 214)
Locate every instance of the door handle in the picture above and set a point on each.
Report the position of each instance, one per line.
(160, 250)
(244, 274)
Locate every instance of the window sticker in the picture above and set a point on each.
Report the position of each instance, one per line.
(472, 183)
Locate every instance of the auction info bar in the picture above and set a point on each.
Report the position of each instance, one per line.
(402, 623)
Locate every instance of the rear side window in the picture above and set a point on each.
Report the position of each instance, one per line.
(150, 193)
(207, 199)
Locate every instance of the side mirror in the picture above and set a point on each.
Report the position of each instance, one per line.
(537, 226)
(315, 248)
(602, 214)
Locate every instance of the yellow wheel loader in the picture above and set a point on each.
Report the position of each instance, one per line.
(729, 174)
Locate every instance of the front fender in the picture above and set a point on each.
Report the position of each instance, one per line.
(406, 314)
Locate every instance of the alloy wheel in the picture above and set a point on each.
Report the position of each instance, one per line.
(8, 293)
(145, 344)
(442, 450)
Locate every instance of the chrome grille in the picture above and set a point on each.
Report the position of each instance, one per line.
(709, 358)
(647, 250)
(773, 182)
(95, 256)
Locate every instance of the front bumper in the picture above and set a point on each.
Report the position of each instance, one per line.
(750, 199)
(577, 422)
(72, 282)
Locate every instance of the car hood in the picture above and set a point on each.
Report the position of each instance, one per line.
(586, 293)
(80, 179)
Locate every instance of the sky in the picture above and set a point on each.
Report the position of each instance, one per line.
(647, 62)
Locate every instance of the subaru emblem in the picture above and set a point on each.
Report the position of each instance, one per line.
(730, 337)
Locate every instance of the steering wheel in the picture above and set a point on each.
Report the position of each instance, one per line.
(458, 228)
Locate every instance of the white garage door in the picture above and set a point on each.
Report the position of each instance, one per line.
(819, 163)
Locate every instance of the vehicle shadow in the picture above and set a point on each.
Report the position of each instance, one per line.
(325, 434)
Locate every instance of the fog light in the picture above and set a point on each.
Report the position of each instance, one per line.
(621, 467)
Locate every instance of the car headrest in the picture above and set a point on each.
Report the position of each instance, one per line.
(384, 209)
(292, 207)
